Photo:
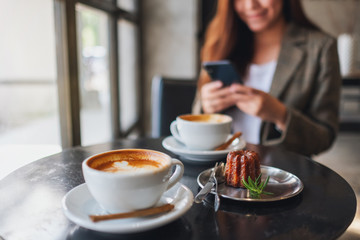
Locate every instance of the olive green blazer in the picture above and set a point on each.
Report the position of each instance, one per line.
(307, 80)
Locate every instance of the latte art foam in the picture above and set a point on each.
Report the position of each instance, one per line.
(129, 166)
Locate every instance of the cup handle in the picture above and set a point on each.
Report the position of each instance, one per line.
(177, 175)
(174, 131)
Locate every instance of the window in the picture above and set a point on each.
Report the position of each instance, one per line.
(128, 74)
(98, 70)
(94, 78)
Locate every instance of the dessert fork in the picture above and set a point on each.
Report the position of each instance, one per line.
(219, 175)
(216, 177)
(208, 186)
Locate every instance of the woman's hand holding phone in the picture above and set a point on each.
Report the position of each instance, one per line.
(215, 97)
(222, 70)
(260, 104)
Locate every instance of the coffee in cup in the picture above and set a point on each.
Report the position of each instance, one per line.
(130, 179)
(201, 131)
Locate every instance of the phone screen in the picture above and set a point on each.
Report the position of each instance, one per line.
(223, 71)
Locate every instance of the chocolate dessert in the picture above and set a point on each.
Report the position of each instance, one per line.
(241, 164)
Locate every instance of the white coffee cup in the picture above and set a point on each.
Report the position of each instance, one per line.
(130, 179)
(201, 131)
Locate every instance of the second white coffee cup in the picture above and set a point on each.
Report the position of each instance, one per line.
(202, 131)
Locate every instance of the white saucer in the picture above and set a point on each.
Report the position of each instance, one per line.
(78, 204)
(171, 144)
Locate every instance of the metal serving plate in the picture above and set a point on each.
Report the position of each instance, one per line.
(282, 184)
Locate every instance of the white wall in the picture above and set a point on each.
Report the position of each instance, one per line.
(340, 18)
(170, 41)
(27, 51)
(334, 16)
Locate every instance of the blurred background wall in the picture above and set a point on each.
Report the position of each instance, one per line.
(170, 41)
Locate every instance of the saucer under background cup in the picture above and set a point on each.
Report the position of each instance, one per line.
(203, 156)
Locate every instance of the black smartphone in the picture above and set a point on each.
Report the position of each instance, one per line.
(222, 70)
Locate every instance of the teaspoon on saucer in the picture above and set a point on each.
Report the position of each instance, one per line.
(228, 142)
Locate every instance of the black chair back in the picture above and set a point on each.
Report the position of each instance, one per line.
(170, 98)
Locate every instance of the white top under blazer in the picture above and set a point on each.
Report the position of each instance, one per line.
(259, 77)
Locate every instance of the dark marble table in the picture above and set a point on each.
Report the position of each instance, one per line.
(30, 202)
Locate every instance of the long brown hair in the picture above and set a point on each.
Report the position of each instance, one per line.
(223, 35)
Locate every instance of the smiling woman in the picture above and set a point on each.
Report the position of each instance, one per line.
(290, 95)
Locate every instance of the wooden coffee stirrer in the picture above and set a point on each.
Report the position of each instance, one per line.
(228, 142)
(137, 213)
